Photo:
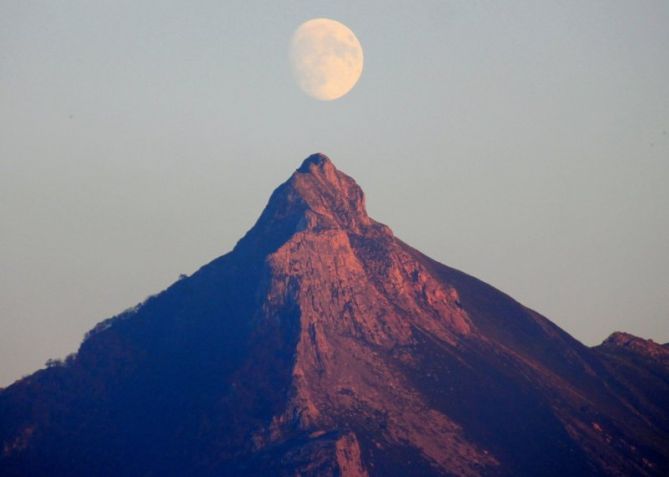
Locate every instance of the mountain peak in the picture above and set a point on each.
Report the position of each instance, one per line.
(322, 345)
(633, 344)
(315, 198)
(316, 160)
(333, 200)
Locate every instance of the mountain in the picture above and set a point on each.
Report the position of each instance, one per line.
(323, 345)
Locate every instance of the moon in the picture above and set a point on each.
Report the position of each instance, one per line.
(326, 58)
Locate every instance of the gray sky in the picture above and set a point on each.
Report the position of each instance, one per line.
(524, 142)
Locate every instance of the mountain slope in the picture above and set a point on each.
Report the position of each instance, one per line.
(324, 345)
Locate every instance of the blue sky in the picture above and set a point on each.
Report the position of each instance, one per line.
(526, 143)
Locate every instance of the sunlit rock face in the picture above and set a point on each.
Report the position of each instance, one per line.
(322, 345)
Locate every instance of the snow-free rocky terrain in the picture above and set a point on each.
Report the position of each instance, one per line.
(323, 345)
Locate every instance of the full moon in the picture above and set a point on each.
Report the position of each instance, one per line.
(326, 58)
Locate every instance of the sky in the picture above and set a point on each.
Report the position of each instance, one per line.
(523, 142)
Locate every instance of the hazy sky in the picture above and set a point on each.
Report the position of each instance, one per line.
(524, 142)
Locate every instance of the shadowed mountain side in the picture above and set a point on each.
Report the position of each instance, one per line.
(322, 345)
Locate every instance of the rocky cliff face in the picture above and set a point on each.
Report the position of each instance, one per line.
(324, 345)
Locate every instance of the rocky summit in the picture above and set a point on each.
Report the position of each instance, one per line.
(323, 345)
